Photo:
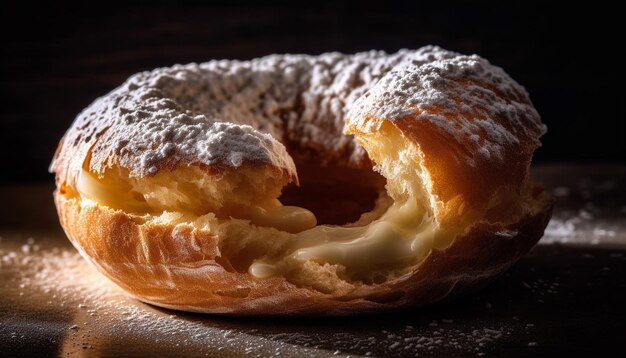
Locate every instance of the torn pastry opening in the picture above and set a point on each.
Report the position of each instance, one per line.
(389, 228)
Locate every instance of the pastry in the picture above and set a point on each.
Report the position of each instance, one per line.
(181, 185)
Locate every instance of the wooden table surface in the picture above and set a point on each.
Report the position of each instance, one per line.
(566, 297)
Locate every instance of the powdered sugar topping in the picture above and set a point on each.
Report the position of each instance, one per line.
(465, 97)
(226, 113)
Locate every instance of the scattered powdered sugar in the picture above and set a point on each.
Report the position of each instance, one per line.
(62, 293)
(101, 315)
(583, 220)
(578, 227)
(542, 287)
(409, 341)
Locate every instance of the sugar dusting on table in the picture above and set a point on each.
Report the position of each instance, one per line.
(100, 313)
(62, 278)
(40, 277)
(584, 221)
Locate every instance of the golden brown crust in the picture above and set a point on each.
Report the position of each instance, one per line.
(469, 129)
(462, 180)
(180, 267)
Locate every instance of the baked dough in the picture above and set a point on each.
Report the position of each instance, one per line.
(171, 184)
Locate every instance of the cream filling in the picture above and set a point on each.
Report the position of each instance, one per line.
(405, 232)
(292, 219)
(91, 187)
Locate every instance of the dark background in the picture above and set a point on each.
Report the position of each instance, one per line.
(55, 60)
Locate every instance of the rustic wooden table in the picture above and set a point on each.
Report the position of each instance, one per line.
(566, 297)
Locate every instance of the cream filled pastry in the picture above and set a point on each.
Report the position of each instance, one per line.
(293, 184)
